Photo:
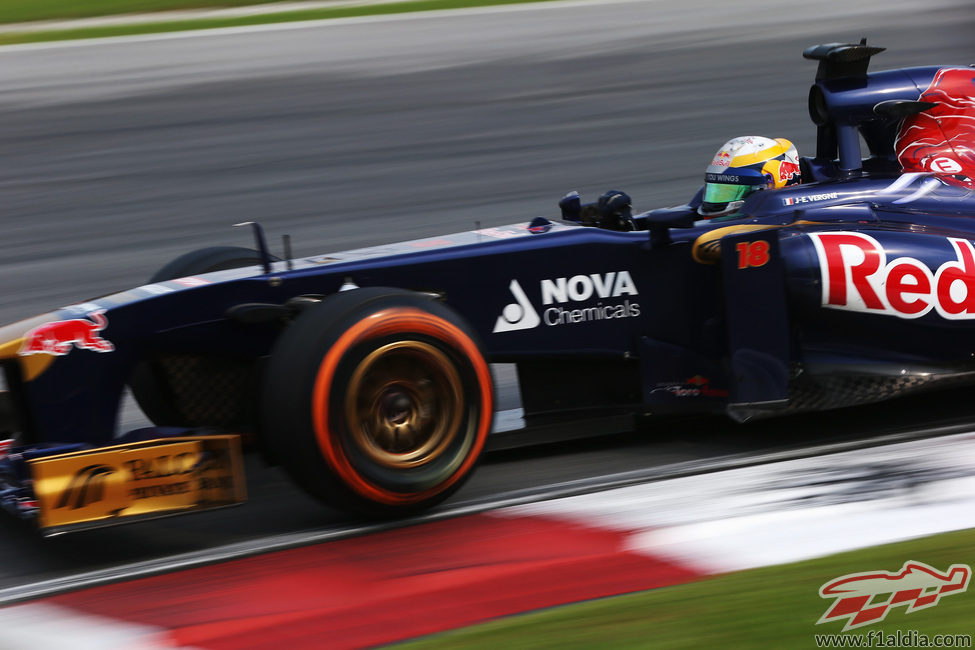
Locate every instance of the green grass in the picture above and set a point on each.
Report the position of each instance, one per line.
(12, 38)
(15, 11)
(774, 607)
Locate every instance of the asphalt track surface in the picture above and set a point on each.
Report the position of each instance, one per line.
(118, 156)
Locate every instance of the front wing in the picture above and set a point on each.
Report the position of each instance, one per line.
(87, 488)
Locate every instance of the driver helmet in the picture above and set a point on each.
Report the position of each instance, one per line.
(743, 165)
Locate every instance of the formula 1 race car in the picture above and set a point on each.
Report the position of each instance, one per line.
(366, 374)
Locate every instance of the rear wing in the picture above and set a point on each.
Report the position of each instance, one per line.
(847, 102)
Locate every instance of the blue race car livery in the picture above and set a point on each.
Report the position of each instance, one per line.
(367, 375)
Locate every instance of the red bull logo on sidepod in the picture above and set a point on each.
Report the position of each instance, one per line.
(856, 275)
(916, 586)
(58, 337)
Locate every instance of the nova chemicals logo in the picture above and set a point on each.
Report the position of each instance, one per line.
(562, 293)
(86, 487)
(519, 315)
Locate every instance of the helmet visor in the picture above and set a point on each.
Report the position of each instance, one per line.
(726, 192)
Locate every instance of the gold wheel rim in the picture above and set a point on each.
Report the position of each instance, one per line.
(404, 404)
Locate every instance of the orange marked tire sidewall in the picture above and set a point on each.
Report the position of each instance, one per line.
(384, 323)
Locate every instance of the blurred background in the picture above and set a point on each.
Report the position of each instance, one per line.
(120, 155)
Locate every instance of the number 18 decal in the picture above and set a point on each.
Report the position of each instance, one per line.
(752, 254)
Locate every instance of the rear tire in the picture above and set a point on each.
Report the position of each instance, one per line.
(378, 401)
(208, 260)
(148, 381)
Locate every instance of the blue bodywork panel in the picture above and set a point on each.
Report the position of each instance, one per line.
(855, 286)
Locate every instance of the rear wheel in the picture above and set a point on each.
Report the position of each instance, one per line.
(207, 260)
(152, 381)
(378, 401)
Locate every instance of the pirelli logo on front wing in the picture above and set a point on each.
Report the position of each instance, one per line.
(138, 479)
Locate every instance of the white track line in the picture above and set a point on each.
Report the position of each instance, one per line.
(789, 511)
(49, 627)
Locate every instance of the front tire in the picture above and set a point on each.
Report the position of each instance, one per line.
(378, 401)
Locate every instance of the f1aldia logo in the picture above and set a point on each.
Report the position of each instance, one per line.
(865, 598)
(522, 315)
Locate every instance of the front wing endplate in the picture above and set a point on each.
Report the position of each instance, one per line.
(98, 487)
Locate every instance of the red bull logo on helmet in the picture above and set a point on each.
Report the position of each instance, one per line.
(788, 171)
(59, 337)
(721, 159)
